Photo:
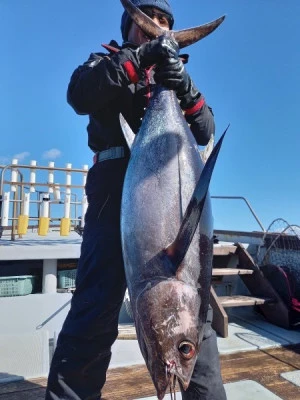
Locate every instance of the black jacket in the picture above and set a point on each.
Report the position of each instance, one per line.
(102, 89)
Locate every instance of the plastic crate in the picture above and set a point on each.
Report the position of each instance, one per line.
(66, 278)
(16, 285)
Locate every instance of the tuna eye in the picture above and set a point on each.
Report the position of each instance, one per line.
(187, 350)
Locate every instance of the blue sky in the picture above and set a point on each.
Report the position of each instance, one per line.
(248, 70)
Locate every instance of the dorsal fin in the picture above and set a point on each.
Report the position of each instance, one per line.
(184, 37)
(177, 250)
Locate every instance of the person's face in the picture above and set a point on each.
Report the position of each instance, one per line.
(137, 36)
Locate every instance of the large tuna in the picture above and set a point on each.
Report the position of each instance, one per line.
(167, 251)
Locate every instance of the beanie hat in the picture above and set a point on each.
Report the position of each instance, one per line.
(162, 5)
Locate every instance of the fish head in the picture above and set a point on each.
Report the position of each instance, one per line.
(167, 321)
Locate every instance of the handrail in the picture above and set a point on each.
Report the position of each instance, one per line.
(20, 182)
(32, 167)
(248, 204)
(68, 185)
(11, 166)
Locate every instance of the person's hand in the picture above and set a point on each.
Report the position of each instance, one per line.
(157, 50)
(173, 75)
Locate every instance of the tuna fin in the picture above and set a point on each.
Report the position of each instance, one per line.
(148, 26)
(189, 36)
(184, 37)
(177, 250)
(127, 131)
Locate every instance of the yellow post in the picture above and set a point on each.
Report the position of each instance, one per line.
(22, 224)
(43, 226)
(65, 224)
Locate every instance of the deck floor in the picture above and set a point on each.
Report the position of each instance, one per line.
(128, 383)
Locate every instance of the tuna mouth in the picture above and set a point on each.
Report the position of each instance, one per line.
(171, 379)
(170, 374)
(168, 383)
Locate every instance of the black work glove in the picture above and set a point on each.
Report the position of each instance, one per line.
(172, 75)
(157, 51)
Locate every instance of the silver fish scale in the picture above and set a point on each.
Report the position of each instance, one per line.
(163, 171)
(169, 304)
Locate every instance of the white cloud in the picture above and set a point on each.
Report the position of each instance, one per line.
(21, 156)
(4, 160)
(52, 154)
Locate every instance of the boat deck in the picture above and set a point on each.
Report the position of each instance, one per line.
(258, 372)
(258, 361)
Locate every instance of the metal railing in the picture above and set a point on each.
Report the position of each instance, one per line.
(24, 181)
(247, 203)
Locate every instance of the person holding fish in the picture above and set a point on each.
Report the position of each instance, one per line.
(122, 81)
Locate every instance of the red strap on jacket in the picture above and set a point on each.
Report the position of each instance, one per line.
(295, 304)
(131, 71)
(196, 107)
(128, 65)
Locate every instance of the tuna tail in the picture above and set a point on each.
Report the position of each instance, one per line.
(189, 36)
(184, 37)
(177, 250)
(127, 131)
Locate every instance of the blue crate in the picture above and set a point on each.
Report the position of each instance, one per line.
(16, 285)
(66, 278)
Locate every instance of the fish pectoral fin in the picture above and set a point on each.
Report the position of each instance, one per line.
(177, 250)
(127, 131)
